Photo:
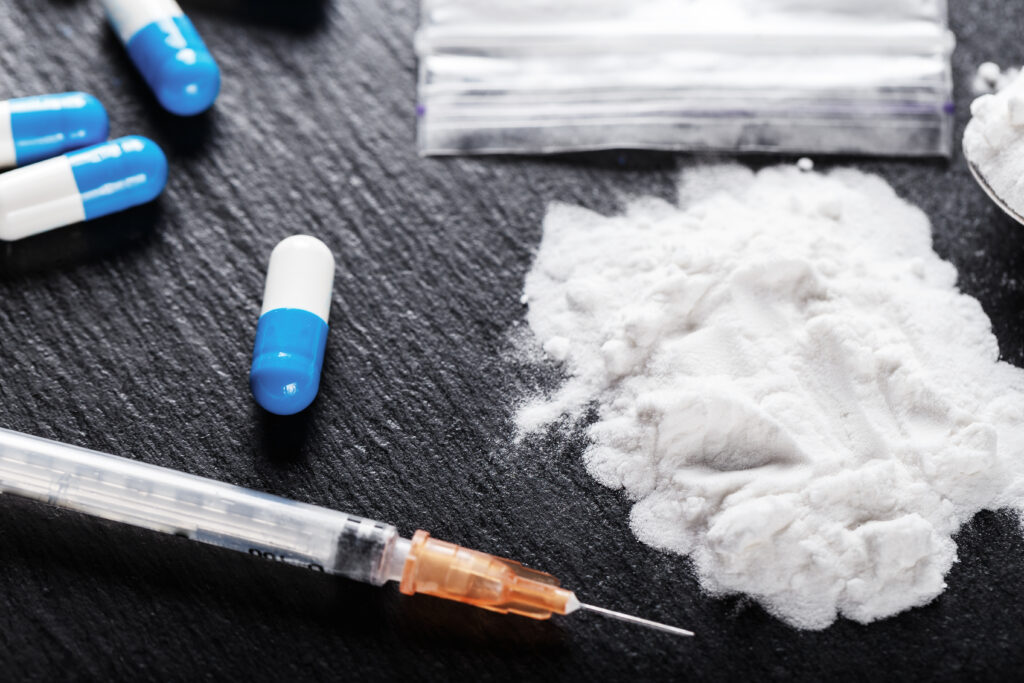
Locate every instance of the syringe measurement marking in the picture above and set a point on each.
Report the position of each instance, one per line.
(293, 561)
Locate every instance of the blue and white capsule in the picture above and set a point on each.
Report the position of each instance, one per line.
(80, 186)
(45, 126)
(168, 51)
(292, 332)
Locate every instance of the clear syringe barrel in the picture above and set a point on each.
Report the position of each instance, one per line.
(202, 509)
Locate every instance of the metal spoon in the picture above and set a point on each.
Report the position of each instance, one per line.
(992, 194)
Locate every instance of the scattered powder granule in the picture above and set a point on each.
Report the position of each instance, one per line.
(788, 385)
(990, 78)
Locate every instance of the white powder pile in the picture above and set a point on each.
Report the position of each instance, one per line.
(994, 141)
(789, 385)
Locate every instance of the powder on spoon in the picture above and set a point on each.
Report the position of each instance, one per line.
(994, 141)
(789, 385)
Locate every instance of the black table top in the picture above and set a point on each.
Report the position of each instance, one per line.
(132, 335)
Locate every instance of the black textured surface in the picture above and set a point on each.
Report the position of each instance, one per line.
(132, 335)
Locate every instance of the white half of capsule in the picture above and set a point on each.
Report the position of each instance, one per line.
(39, 197)
(300, 275)
(128, 17)
(8, 154)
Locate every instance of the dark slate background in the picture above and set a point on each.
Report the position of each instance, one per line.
(132, 335)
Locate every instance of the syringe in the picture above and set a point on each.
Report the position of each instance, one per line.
(278, 529)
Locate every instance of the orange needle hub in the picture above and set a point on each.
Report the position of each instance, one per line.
(446, 570)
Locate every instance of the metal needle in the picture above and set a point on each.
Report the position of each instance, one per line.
(637, 620)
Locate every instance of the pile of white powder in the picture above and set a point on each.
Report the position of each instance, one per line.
(994, 139)
(789, 385)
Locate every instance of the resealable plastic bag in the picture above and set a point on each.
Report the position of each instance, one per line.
(807, 76)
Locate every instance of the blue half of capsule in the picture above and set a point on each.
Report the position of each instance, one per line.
(177, 65)
(118, 175)
(46, 126)
(287, 359)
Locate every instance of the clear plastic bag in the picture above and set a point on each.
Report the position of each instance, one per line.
(795, 76)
